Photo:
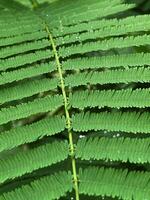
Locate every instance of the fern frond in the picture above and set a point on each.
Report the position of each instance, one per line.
(27, 89)
(50, 187)
(61, 8)
(29, 133)
(124, 60)
(112, 98)
(25, 162)
(134, 150)
(6, 19)
(90, 14)
(115, 183)
(24, 110)
(101, 33)
(19, 28)
(45, 53)
(22, 29)
(110, 76)
(19, 60)
(22, 38)
(112, 121)
(22, 48)
(28, 72)
(9, 19)
(107, 44)
(104, 24)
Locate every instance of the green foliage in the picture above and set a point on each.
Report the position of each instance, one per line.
(74, 92)
(140, 75)
(25, 162)
(113, 61)
(29, 133)
(114, 149)
(23, 73)
(40, 105)
(49, 187)
(104, 45)
(27, 89)
(116, 183)
(111, 98)
(112, 121)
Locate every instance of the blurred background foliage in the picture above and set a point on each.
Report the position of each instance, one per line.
(143, 6)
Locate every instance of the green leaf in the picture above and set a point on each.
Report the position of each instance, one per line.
(112, 121)
(30, 160)
(50, 187)
(115, 183)
(134, 150)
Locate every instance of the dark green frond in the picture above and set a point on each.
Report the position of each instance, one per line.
(49, 187)
(135, 23)
(112, 121)
(30, 71)
(28, 161)
(17, 29)
(29, 133)
(19, 60)
(22, 48)
(19, 22)
(115, 183)
(91, 14)
(23, 110)
(107, 44)
(80, 11)
(102, 33)
(79, 6)
(27, 89)
(112, 98)
(124, 60)
(22, 38)
(134, 150)
(74, 92)
(109, 76)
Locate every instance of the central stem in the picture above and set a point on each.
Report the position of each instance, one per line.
(68, 120)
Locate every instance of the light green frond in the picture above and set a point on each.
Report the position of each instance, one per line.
(112, 121)
(22, 48)
(139, 98)
(109, 76)
(115, 183)
(104, 24)
(24, 110)
(50, 187)
(27, 89)
(29, 133)
(124, 60)
(20, 60)
(134, 150)
(28, 72)
(27, 161)
(104, 45)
